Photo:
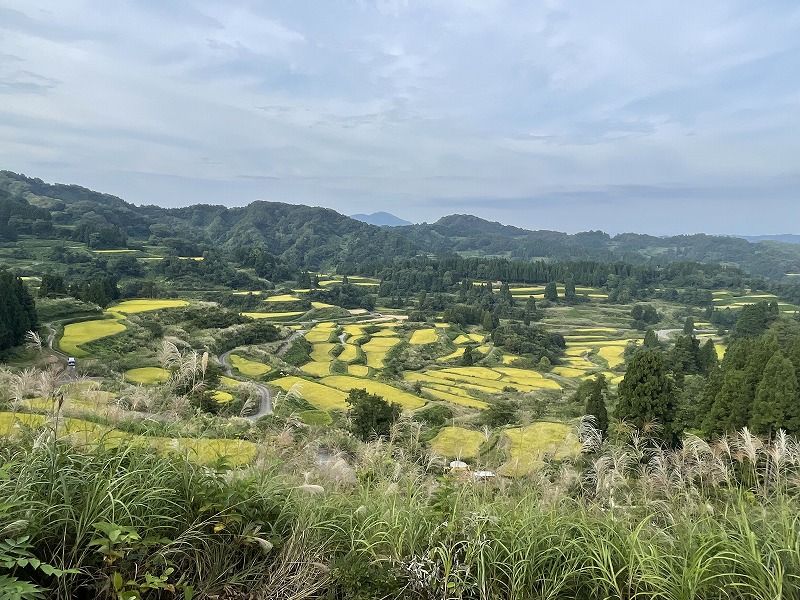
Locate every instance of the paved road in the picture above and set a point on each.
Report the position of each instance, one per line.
(265, 406)
(288, 342)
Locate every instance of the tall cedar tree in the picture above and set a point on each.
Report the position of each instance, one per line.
(731, 408)
(775, 406)
(371, 415)
(17, 311)
(596, 403)
(645, 394)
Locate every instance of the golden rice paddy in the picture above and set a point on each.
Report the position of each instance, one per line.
(249, 368)
(613, 355)
(459, 352)
(149, 375)
(349, 354)
(423, 336)
(76, 334)
(274, 315)
(320, 333)
(387, 392)
(530, 444)
(457, 442)
(318, 369)
(230, 382)
(461, 400)
(282, 298)
(320, 305)
(144, 305)
(322, 352)
(222, 397)
(358, 370)
(321, 396)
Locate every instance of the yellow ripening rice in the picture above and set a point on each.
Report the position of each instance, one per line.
(354, 330)
(76, 334)
(249, 368)
(492, 384)
(613, 355)
(322, 352)
(462, 339)
(247, 292)
(328, 282)
(578, 350)
(595, 330)
(457, 442)
(484, 348)
(322, 305)
(318, 369)
(319, 334)
(510, 358)
(442, 325)
(569, 371)
(222, 397)
(230, 382)
(455, 398)
(423, 336)
(720, 349)
(273, 315)
(282, 298)
(349, 354)
(380, 343)
(585, 339)
(144, 305)
(321, 396)
(387, 392)
(459, 352)
(358, 370)
(479, 372)
(527, 378)
(149, 375)
(530, 444)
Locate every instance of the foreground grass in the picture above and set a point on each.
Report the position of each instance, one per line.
(699, 523)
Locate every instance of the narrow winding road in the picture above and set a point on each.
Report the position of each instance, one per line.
(265, 406)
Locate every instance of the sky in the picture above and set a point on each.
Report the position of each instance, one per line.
(653, 117)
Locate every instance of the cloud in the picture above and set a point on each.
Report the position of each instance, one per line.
(523, 110)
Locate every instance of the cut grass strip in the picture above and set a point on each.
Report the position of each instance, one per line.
(457, 442)
(76, 334)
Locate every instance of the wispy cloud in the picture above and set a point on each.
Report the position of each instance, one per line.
(595, 115)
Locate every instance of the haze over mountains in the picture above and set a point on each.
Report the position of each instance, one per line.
(315, 238)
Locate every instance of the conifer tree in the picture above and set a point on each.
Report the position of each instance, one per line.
(731, 408)
(775, 406)
(551, 291)
(596, 403)
(646, 395)
(650, 340)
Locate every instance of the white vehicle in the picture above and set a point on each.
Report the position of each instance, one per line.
(70, 362)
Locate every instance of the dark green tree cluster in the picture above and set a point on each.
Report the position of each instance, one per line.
(101, 290)
(754, 319)
(345, 295)
(17, 311)
(644, 315)
(689, 357)
(52, 286)
(646, 395)
(537, 342)
(370, 415)
(755, 386)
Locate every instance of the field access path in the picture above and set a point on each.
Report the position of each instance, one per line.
(265, 406)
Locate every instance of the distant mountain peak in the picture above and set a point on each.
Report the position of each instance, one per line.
(382, 219)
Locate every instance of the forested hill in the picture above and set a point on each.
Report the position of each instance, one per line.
(313, 238)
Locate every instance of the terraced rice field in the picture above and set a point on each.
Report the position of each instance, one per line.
(321, 396)
(249, 368)
(613, 355)
(469, 338)
(459, 399)
(349, 354)
(222, 397)
(320, 305)
(358, 370)
(77, 334)
(377, 349)
(282, 298)
(229, 382)
(457, 353)
(528, 445)
(321, 352)
(274, 315)
(457, 442)
(144, 305)
(482, 379)
(202, 451)
(389, 393)
(318, 369)
(149, 375)
(725, 298)
(320, 333)
(423, 336)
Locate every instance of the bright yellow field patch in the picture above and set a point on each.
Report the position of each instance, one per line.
(354, 330)
(462, 339)
(578, 350)
(455, 398)
(569, 371)
(113, 251)
(230, 382)
(222, 397)
(377, 349)
(245, 293)
(596, 329)
(458, 353)
(322, 305)
(320, 333)
(423, 336)
(282, 298)
(349, 354)
(149, 375)
(387, 392)
(319, 369)
(144, 305)
(358, 370)
(613, 355)
(720, 349)
(274, 315)
(249, 368)
(457, 442)
(322, 352)
(321, 396)
(482, 385)
(510, 358)
(479, 372)
(76, 334)
(530, 444)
